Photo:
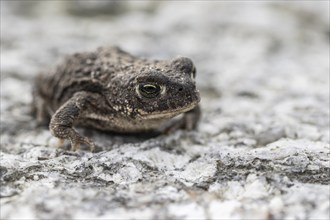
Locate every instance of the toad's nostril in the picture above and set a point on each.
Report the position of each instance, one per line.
(180, 89)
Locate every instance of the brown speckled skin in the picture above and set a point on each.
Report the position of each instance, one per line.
(100, 90)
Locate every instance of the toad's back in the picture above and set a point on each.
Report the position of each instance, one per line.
(89, 71)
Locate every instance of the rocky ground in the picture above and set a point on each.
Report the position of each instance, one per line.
(262, 147)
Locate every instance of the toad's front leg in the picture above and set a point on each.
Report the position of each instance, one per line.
(61, 123)
(188, 122)
(191, 118)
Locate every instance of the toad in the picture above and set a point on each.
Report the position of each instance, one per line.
(111, 90)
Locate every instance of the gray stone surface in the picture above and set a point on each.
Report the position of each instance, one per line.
(262, 148)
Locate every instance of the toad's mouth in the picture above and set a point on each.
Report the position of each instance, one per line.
(167, 114)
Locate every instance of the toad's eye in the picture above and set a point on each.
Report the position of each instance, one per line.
(149, 90)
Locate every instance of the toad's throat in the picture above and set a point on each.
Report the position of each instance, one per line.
(166, 114)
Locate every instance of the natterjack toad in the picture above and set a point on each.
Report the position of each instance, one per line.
(111, 90)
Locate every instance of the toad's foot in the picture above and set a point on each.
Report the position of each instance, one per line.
(69, 133)
(61, 123)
